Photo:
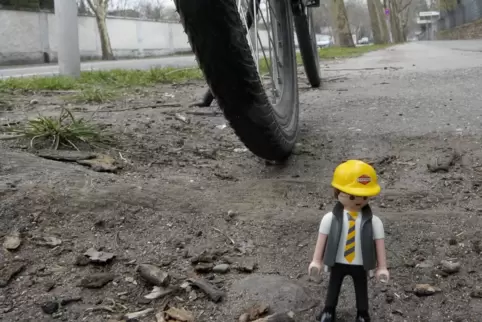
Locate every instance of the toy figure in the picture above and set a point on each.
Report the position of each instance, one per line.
(351, 238)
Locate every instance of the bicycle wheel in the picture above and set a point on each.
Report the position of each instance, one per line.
(305, 32)
(259, 97)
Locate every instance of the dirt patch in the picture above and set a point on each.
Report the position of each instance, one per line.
(189, 199)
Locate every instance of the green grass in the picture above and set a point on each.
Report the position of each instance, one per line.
(101, 86)
(64, 130)
(90, 82)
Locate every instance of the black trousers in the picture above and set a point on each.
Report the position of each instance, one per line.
(360, 279)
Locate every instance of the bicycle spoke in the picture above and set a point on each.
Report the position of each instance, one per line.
(260, 17)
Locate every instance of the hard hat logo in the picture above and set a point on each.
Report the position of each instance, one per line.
(364, 179)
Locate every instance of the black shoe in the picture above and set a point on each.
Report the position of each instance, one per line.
(327, 317)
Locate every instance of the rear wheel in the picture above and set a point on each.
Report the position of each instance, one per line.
(305, 32)
(252, 74)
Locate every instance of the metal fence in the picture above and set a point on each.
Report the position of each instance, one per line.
(464, 12)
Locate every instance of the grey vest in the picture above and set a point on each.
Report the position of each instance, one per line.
(368, 248)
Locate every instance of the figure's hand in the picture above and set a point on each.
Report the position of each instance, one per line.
(382, 275)
(315, 268)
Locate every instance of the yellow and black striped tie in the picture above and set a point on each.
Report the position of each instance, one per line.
(350, 238)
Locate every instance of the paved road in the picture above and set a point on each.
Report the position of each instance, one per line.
(414, 89)
(52, 69)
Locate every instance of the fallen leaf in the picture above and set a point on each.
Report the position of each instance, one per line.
(180, 314)
(158, 292)
(98, 257)
(47, 241)
(138, 314)
(12, 241)
(101, 163)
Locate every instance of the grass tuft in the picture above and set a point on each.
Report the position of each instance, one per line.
(94, 95)
(64, 130)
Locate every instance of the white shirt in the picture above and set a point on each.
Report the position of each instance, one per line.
(378, 233)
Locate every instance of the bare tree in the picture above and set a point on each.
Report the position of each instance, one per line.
(378, 22)
(340, 18)
(99, 8)
(358, 18)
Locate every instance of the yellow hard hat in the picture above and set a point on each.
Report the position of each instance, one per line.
(356, 178)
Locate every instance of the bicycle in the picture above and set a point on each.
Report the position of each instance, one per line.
(224, 36)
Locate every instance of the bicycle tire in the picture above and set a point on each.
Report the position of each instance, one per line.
(306, 35)
(218, 39)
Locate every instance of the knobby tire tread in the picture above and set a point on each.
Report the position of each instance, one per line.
(218, 39)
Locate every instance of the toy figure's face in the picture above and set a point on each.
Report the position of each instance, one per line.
(352, 203)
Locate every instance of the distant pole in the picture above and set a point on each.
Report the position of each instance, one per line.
(68, 51)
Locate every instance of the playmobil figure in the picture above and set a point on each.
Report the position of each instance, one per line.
(351, 239)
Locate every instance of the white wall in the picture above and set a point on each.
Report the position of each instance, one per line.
(31, 37)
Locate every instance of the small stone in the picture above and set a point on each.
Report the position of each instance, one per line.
(247, 267)
(98, 257)
(221, 268)
(97, 280)
(50, 307)
(67, 300)
(153, 274)
(244, 318)
(8, 271)
(12, 242)
(450, 267)
(81, 260)
(425, 290)
(256, 311)
(425, 264)
(204, 257)
(476, 293)
(203, 267)
(389, 297)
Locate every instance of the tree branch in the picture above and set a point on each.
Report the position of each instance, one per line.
(405, 6)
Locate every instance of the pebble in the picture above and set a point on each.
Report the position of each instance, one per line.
(450, 267)
(97, 280)
(153, 274)
(203, 267)
(50, 307)
(425, 289)
(221, 268)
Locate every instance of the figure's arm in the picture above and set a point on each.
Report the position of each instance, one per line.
(381, 253)
(323, 232)
(320, 247)
(379, 237)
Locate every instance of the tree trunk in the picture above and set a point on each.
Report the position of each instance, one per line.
(106, 47)
(395, 23)
(340, 19)
(382, 22)
(375, 24)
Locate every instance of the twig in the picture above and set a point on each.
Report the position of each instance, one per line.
(122, 157)
(11, 137)
(225, 235)
(200, 113)
(101, 308)
(141, 107)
